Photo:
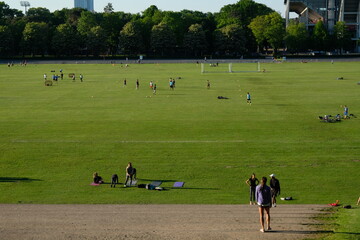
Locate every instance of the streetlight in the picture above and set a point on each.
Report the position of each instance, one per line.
(25, 4)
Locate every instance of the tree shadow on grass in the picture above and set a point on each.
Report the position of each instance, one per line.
(349, 233)
(300, 232)
(18, 179)
(191, 188)
(316, 232)
(153, 180)
(177, 188)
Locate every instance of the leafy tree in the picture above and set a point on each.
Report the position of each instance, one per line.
(230, 40)
(111, 24)
(150, 12)
(195, 40)
(6, 41)
(275, 30)
(17, 26)
(320, 37)
(241, 13)
(65, 40)
(162, 39)
(177, 24)
(35, 38)
(86, 22)
(60, 17)
(150, 17)
(73, 15)
(109, 8)
(258, 27)
(39, 14)
(131, 41)
(296, 37)
(6, 13)
(95, 41)
(342, 36)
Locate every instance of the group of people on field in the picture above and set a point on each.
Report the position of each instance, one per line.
(55, 77)
(130, 174)
(152, 85)
(264, 196)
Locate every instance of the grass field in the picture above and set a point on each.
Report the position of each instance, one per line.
(343, 224)
(53, 138)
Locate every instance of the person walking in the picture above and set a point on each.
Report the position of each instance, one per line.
(252, 182)
(263, 198)
(154, 89)
(248, 98)
(137, 84)
(275, 189)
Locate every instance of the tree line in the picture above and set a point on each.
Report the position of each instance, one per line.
(239, 29)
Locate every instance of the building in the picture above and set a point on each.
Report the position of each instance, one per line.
(328, 11)
(86, 4)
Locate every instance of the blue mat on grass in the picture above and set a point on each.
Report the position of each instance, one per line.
(179, 184)
(156, 183)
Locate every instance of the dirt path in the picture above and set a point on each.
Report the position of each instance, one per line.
(154, 222)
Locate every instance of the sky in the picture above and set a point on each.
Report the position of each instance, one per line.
(137, 6)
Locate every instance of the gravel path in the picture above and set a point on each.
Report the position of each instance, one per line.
(154, 222)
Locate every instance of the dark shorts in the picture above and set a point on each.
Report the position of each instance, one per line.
(274, 192)
(264, 205)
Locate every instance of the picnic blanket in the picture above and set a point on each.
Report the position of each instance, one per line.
(133, 183)
(156, 183)
(179, 184)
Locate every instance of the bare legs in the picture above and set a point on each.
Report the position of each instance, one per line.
(261, 213)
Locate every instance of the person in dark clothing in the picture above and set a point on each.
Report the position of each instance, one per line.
(275, 189)
(252, 182)
(114, 180)
(97, 178)
(130, 173)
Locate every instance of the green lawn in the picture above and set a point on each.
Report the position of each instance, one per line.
(53, 138)
(342, 224)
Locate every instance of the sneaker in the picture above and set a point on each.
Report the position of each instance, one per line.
(269, 229)
(262, 230)
(124, 185)
(274, 205)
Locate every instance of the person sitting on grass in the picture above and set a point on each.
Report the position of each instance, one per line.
(97, 178)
